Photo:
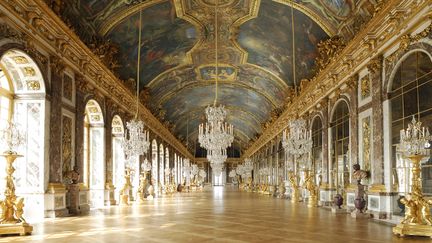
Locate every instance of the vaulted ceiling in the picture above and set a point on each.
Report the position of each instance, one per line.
(178, 53)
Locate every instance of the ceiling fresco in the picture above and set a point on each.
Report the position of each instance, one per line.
(268, 41)
(178, 53)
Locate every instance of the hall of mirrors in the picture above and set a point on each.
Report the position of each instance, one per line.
(323, 106)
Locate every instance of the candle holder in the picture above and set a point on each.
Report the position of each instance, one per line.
(309, 184)
(12, 207)
(414, 145)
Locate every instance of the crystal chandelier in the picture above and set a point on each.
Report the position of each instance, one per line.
(216, 135)
(299, 140)
(146, 166)
(415, 139)
(12, 137)
(217, 156)
(136, 140)
(217, 168)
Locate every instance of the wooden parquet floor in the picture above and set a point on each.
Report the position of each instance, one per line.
(213, 216)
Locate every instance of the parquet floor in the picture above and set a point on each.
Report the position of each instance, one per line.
(213, 216)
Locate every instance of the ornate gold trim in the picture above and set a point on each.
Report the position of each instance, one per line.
(382, 28)
(54, 36)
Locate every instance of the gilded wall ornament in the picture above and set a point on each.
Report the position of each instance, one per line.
(66, 144)
(33, 85)
(365, 87)
(67, 87)
(328, 51)
(366, 142)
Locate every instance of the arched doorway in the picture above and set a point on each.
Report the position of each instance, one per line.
(340, 167)
(409, 94)
(23, 101)
(167, 165)
(94, 153)
(154, 162)
(317, 141)
(118, 154)
(161, 167)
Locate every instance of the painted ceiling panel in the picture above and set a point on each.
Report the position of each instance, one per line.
(165, 42)
(268, 40)
(177, 60)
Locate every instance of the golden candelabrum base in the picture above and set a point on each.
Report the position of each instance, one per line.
(418, 220)
(295, 195)
(12, 208)
(413, 229)
(140, 198)
(313, 201)
(124, 192)
(124, 200)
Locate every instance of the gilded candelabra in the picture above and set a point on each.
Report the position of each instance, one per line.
(12, 207)
(415, 145)
(293, 179)
(310, 185)
(124, 192)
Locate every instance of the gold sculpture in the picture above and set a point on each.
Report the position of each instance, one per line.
(309, 184)
(12, 221)
(293, 178)
(124, 192)
(417, 219)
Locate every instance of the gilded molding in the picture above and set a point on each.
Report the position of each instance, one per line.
(387, 23)
(42, 24)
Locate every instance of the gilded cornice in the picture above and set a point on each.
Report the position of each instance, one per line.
(45, 27)
(387, 24)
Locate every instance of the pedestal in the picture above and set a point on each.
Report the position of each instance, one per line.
(417, 230)
(313, 201)
(360, 215)
(73, 192)
(55, 201)
(337, 210)
(109, 195)
(16, 229)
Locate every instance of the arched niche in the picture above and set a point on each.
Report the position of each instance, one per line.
(340, 146)
(154, 161)
(161, 178)
(23, 101)
(94, 153)
(118, 153)
(317, 142)
(409, 92)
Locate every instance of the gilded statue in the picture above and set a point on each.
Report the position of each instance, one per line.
(310, 185)
(328, 51)
(410, 211)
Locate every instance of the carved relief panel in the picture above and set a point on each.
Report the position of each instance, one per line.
(67, 141)
(68, 88)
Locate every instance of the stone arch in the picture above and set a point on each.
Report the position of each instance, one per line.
(24, 102)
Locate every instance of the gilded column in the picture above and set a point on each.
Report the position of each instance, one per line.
(377, 167)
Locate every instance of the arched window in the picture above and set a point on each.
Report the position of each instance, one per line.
(317, 138)
(340, 147)
(22, 100)
(94, 161)
(176, 169)
(154, 162)
(167, 164)
(161, 166)
(410, 95)
(118, 153)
